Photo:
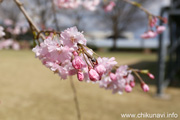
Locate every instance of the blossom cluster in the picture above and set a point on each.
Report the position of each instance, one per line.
(153, 28)
(68, 55)
(9, 43)
(17, 28)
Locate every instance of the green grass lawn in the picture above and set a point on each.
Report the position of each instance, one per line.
(30, 91)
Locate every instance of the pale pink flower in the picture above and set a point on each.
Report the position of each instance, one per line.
(107, 63)
(113, 76)
(149, 34)
(68, 3)
(16, 46)
(78, 62)
(71, 37)
(122, 71)
(160, 29)
(91, 5)
(8, 22)
(16, 30)
(110, 6)
(100, 69)
(93, 75)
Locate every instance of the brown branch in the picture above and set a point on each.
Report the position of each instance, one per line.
(139, 6)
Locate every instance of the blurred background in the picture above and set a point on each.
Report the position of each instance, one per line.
(29, 91)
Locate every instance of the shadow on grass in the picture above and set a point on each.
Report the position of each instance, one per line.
(152, 66)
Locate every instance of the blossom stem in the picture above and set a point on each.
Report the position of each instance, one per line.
(139, 77)
(75, 98)
(139, 6)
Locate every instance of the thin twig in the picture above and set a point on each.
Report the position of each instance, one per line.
(75, 98)
(139, 6)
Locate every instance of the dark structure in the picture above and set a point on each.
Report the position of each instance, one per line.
(169, 56)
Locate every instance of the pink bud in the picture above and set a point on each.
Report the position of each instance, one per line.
(75, 53)
(100, 69)
(132, 84)
(151, 34)
(151, 75)
(113, 76)
(78, 63)
(144, 36)
(109, 6)
(128, 88)
(160, 29)
(153, 22)
(145, 87)
(93, 75)
(80, 76)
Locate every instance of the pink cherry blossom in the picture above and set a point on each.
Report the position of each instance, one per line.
(160, 29)
(93, 75)
(91, 5)
(100, 69)
(68, 3)
(107, 63)
(110, 6)
(78, 62)
(113, 76)
(71, 37)
(149, 34)
(66, 57)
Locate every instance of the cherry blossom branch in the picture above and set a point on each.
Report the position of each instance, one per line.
(139, 6)
(75, 98)
(39, 33)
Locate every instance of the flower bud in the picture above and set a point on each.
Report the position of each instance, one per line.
(151, 34)
(75, 53)
(109, 7)
(93, 75)
(151, 75)
(113, 76)
(128, 88)
(100, 69)
(78, 63)
(132, 84)
(80, 76)
(145, 87)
